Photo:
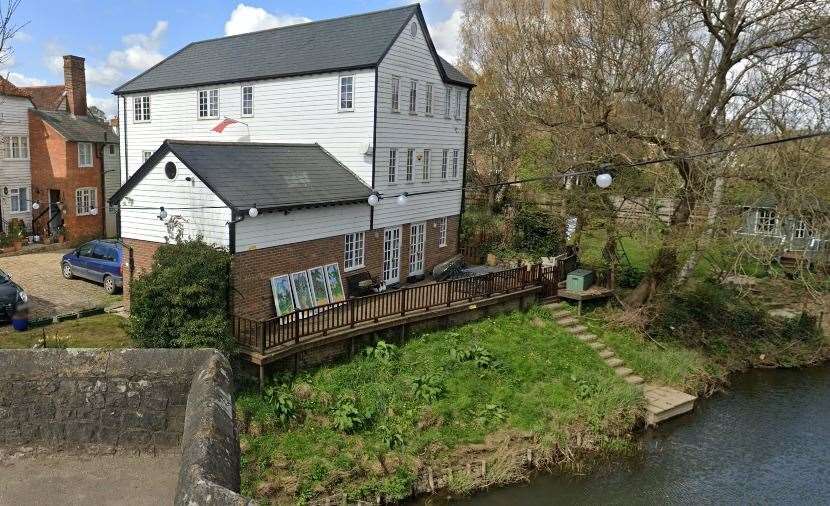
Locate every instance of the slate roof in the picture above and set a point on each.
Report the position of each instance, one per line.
(78, 128)
(46, 97)
(264, 175)
(352, 42)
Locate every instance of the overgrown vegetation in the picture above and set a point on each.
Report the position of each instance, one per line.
(183, 301)
(371, 426)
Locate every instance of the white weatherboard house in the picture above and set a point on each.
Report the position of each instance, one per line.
(15, 164)
(301, 123)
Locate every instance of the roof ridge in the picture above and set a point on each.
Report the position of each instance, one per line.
(239, 143)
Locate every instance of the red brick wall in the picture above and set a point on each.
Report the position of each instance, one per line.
(141, 254)
(54, 164)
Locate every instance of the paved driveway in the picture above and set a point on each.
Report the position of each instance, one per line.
(49, 293)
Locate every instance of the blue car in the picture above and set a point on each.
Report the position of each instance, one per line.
(98, 261)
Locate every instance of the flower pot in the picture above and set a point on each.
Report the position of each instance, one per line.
(20, 322)
(17, 245)
(491, 260)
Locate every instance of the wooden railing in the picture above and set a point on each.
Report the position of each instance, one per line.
(262, 335)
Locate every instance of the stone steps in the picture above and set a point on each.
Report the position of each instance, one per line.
(586, 338)
(568, 321)
(604, 354)
(597, 345)
(634, 380)
(623, 371)
(613, 362)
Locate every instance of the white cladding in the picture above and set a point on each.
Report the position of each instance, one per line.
(112, 182)
(410, 58)
(14, 173)
(202, 212)
(276, 229)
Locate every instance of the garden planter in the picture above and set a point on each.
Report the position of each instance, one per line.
(491, 260)
(20, 322)
(17, 245)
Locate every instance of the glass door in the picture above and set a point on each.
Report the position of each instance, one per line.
(417, 233)
(392, 255)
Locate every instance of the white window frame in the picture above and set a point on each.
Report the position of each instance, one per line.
(391, 267)
(141, 109)
(82, 162)
(425, 165)
(20, 145)
(17, 204)
(345, 96)
(445, 157)
(458, 97)
(442, 232)
(417, 248)
(447, 101)
(428, 100)
(354, 249)
(393, 165)
(396, 94)
(410, 165)
(209, 94)
(413, 96)
(145, 155)
(802, 230)
(769, 225)
(455, 164)
(242, 101)
(90, 194)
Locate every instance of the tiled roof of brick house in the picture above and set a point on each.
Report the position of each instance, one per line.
(78, 128)
(9, 89)
(47, 98)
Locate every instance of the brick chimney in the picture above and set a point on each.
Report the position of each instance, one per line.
(74, 78)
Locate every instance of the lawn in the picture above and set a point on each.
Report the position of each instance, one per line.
(371, 425)
(101, 331)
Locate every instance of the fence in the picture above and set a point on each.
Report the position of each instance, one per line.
(262, 335)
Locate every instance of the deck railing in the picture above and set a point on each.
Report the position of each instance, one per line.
(262, 335)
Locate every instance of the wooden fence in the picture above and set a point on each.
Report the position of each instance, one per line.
(263, 335)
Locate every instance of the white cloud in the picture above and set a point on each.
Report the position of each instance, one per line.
(22, 80)
(22, 36)
(107, 104)
(446, 36)
(245, 18)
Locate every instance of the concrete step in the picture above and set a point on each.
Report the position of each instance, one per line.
(634, 380)
(553, 306)
(586, 338)
(597, 345)
(567, 321)
(562, 313)
(606, 354)
(623, 371)
(613, 362)
(579, 329)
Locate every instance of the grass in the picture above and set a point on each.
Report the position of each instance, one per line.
(101, 331)
(515, 379)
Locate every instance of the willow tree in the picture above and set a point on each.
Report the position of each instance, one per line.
(622, 80)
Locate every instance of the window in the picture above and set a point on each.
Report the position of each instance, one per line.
(84, 154)
(444, 156)
(393, 164)
(413, 29)
(458, 97)
(353, 253)
(442, 232)
(141, 109)
(18, 147)
(396, 94)
(145, 155)
(247, 100)
(447, 101)
(112, 149)
(85, 200)
(346, 93)
(410, 156)
(454, 163)
(209, 103)
(20, 202)
(802, 230)
(428, 99)
(425, 166)
(766, 221)
(413, 96)
(417, 238)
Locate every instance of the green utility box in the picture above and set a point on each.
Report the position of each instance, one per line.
(580, 280)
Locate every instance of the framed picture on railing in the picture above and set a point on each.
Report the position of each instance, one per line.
(283, 300)
(319, 290)
(303, 298)
(335, 283)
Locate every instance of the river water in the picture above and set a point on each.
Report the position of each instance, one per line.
(765, 441)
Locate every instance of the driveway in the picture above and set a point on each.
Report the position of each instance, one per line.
(49, 293)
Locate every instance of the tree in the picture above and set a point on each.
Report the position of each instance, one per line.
(622, 80)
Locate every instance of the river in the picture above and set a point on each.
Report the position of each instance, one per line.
(764, 441)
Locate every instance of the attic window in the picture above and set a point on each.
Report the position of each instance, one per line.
(170, 170)
(413, 29)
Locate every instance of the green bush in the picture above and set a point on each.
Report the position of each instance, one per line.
(629, 276)
(537, 233)
(183, 301)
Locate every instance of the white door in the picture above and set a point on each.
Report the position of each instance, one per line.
(417, 236)
(392, 255)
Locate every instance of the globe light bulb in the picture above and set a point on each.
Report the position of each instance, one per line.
(35, 205)
(402, 198)
(373, 199)
(604, 180)
(253, 212)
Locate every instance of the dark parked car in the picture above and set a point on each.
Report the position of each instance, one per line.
(11, 296)
(98, 261)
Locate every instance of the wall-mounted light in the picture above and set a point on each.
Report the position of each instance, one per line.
(93, 211)
(162, 213)
(35, 205)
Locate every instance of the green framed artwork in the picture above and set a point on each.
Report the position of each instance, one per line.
(335, 283)
(283, 300)
(319, 291)
(303, 297)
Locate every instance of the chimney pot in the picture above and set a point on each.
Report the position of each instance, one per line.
(74, 78)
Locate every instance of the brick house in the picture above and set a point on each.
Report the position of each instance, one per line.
(339, 142)
(74, 160)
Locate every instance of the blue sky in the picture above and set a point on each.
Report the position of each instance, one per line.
(120, 38)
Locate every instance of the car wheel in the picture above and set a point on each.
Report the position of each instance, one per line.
(109, 285)
(67, 270)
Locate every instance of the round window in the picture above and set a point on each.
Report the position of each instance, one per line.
(170, 170)
(413, 29)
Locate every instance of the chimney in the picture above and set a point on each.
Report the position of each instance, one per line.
(74, 78)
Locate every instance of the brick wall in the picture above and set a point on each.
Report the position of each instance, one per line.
(141, 254)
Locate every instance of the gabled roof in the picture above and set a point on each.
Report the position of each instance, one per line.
(347, 43)
(261, 175)
(48, 98)
(10, 90)
(78, 128)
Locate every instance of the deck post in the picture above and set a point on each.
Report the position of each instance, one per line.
(297, 327)
(261, 377)
(262, 337)
(403, 301)
(351, 312)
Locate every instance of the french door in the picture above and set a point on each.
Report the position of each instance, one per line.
(417, 236)
(392, 255)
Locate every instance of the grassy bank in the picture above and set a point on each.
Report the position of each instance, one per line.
(371, 426)
(101, 331)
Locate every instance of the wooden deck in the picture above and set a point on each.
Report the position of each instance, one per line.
(593, 293)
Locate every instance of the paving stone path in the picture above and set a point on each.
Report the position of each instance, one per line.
(662, 402)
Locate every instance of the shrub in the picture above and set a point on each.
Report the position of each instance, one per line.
(537, 233)
(282, 403)
(346, 417)
(382, 352)
(183, 301)
(427, 388)
(629, 276)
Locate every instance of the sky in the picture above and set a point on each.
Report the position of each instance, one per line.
(122, 38)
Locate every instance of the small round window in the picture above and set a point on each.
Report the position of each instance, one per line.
(413, 29)
(170, 170)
